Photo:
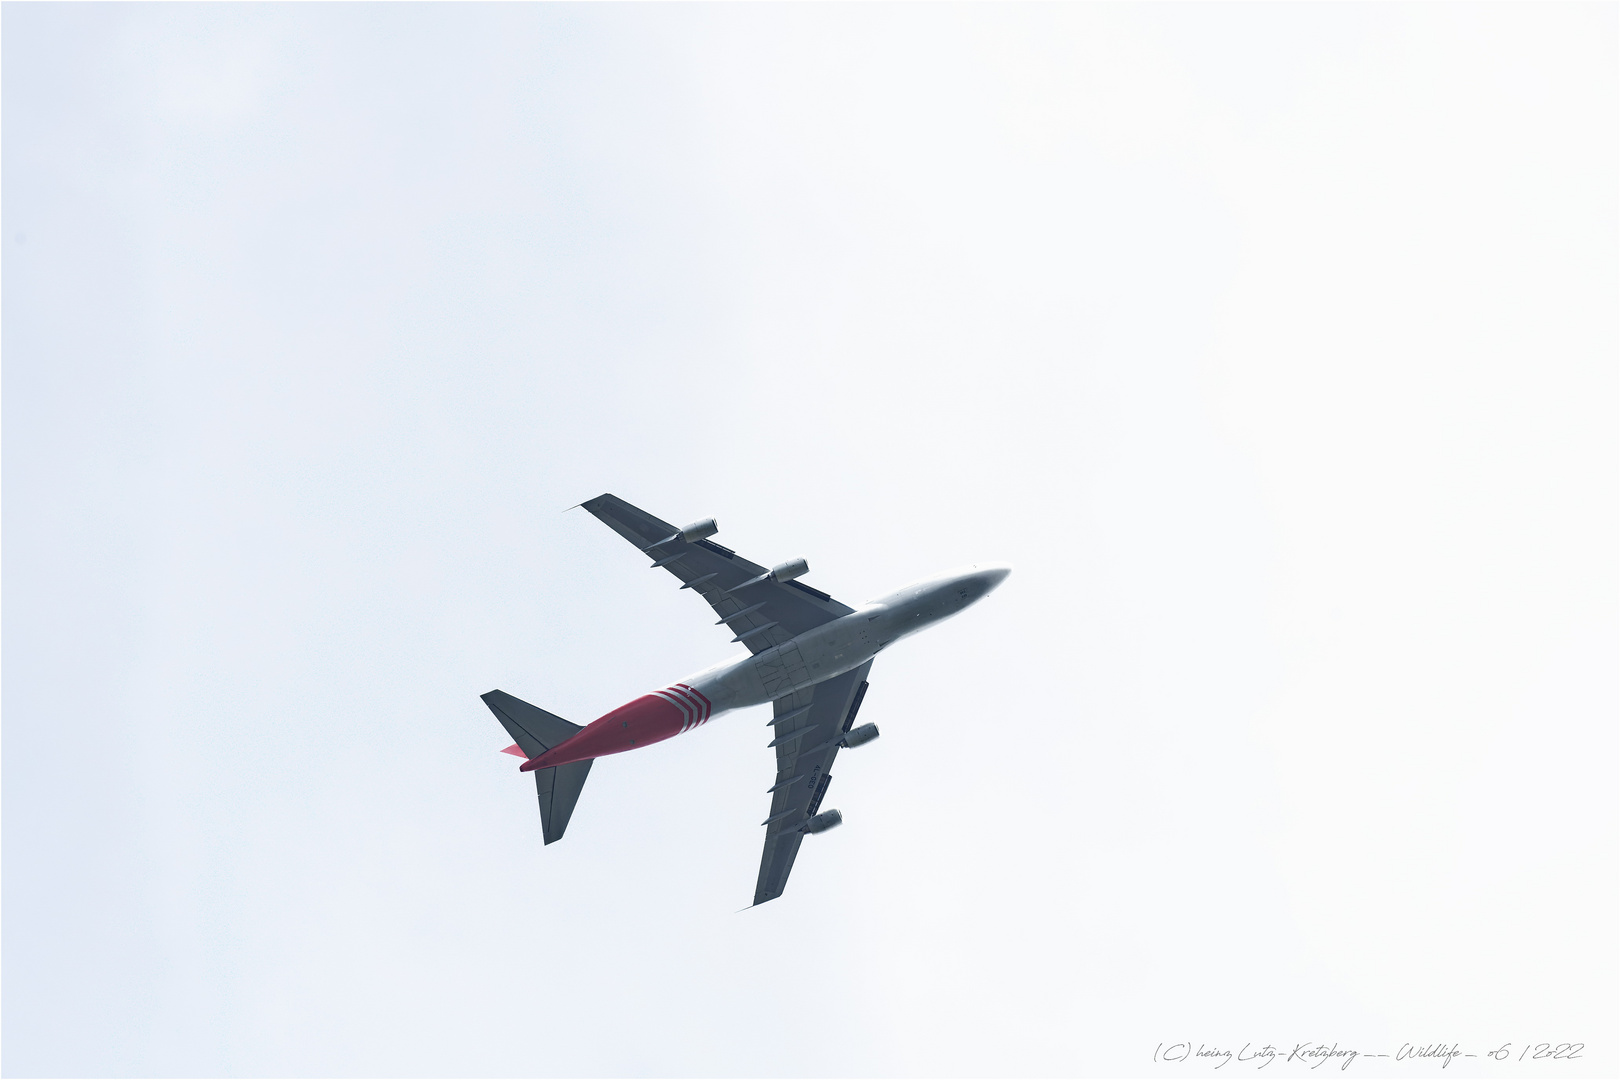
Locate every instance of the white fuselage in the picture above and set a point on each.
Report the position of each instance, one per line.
(843, 644)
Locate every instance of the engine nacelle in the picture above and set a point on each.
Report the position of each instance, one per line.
(699, 529)
(823, 821)
(789, 570)
(860, 736)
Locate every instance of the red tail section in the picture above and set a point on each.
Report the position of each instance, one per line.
(646, 720)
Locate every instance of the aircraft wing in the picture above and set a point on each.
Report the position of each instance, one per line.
(807, 729)
(761, 615)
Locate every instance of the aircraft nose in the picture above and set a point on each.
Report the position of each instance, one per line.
(993, 575)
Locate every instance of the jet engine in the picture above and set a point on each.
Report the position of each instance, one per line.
(789, 570)
(781, 572)
(860, 736)
(823, 821)
(699, 529)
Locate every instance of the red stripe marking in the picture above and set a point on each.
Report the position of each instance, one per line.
(708, 706)
(697, 710)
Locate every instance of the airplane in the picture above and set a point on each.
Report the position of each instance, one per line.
(808, 655)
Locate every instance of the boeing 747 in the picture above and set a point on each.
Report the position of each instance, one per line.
(808, 655)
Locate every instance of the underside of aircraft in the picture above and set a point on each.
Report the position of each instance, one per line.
(808, 655)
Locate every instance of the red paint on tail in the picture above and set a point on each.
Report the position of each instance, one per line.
(646, 720)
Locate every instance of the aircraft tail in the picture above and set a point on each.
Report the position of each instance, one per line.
(535, 731)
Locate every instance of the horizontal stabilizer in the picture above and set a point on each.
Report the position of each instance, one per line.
(534, 729)
(559, 788)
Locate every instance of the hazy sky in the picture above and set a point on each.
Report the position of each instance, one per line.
(1273, 346)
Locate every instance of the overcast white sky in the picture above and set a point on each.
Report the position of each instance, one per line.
(1274, 347)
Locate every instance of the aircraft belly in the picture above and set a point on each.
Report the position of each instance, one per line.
(794, 665)
(832, 652)
(732, 686)
(782, 670)
(810, 660)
